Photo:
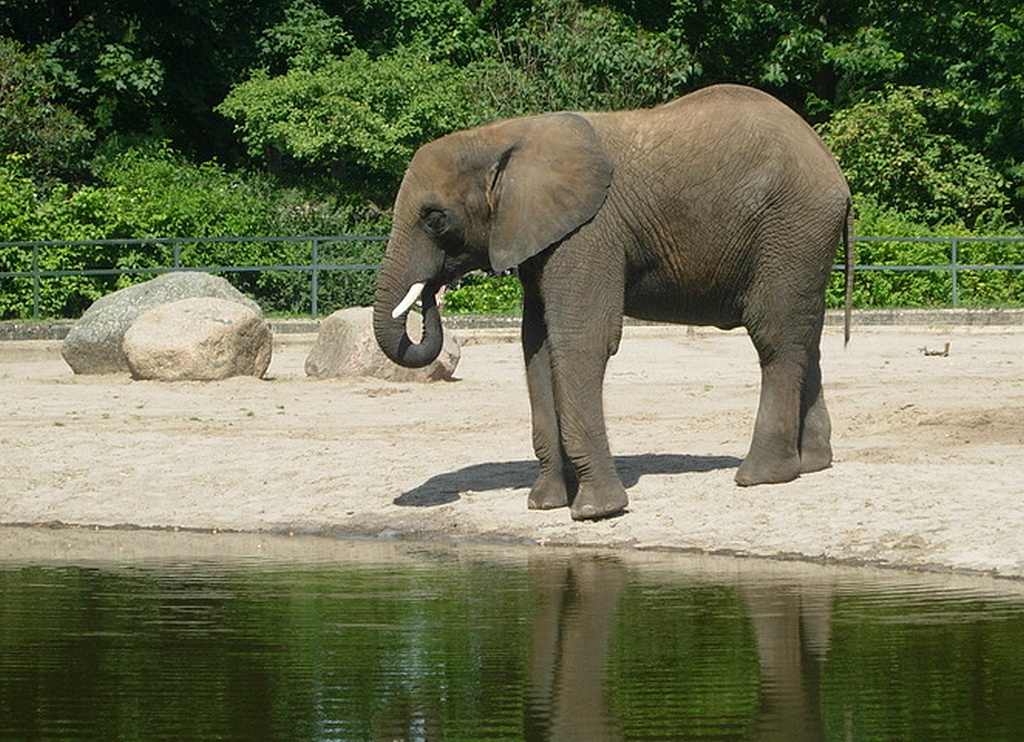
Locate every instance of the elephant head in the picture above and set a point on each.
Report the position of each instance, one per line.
(483, 199)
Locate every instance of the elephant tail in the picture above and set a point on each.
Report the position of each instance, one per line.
(848, 247)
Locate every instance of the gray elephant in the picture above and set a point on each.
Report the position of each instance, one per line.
(721, 208)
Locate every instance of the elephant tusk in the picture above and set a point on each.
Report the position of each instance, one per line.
(403, 306)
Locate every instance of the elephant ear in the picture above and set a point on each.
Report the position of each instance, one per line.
(550, 179)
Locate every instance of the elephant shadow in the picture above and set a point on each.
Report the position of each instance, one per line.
(445, 488)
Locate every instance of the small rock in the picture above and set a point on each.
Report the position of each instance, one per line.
(199, 339)
(346, 347)
(93, 345)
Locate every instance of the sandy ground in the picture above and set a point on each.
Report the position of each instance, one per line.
(928, 470)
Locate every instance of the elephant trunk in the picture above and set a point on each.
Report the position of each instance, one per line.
(390, 310)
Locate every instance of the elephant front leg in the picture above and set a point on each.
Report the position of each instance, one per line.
(578, 380)
(556, 484)
(567, 349)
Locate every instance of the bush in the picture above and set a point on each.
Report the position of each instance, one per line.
(339, 289)
(17, 199)
(925, 288)
(25, 216)
(151, 192)
(1003, 288)
(485, 295)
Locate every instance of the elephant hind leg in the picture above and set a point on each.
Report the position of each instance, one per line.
(792, 431)
(815, 425)
(774, 454)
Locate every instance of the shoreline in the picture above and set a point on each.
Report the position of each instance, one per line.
(63, 542)
(928, 475)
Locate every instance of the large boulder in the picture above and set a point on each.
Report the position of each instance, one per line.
(201, 339)
(93, 345)
(346, 347)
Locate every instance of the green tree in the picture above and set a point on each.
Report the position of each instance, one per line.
(899, 150)
(355, 114)
(566, 55)
(106, 76)
(442, 29)
(33, 123)
(973, 49)
(778, 45)
(150, 68)
(307, 37)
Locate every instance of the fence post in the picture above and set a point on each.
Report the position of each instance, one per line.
(35, 282)
(954, 258)
(315, 279)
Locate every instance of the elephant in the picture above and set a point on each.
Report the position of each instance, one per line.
(722, 207)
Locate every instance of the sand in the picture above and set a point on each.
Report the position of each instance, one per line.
(928, 473)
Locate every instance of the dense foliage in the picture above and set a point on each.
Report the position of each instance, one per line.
(290, 117)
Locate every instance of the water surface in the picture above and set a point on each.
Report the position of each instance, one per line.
(389, 641)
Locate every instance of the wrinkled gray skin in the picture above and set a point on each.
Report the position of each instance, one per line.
(721, 208)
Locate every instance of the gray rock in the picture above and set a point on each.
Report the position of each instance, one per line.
(346, 347)
(200, 339)
(93, 345)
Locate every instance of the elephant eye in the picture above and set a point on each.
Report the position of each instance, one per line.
(436, 221)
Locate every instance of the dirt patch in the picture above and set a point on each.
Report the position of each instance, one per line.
(928, 471)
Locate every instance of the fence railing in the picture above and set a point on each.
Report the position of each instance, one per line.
(316, 267)
(953, 266)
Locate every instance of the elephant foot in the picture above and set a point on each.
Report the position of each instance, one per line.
(815, 459)
(594, 503)
(816, 441)
(753, 471)
(550, 491)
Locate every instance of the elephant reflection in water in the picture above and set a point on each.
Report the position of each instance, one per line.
(792, 624)
(568, 691)
(568, 694)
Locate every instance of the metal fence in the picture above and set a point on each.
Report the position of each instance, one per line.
(952, 266)
(173, 248)
(316, 267)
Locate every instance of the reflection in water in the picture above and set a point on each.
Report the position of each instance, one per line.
(577, 597)
(792, 625)
(406, 642)
(568, 693)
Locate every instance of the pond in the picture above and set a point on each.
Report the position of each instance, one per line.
(184, 637)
